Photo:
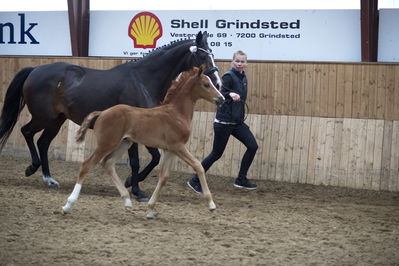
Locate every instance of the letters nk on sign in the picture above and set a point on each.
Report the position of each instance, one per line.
(24, 31)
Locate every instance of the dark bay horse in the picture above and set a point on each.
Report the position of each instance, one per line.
(167, 127)
(60, 91)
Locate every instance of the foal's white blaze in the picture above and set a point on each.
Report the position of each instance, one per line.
(72, 198)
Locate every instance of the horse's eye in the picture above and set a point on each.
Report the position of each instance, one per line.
(206, 85)
(203, 57)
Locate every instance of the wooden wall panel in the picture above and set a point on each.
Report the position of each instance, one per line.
(346, 90)
(356, 153)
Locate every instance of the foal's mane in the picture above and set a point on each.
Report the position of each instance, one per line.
(178, 84)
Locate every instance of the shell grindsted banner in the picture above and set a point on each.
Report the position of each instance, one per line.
(388, 35)
(306, 35)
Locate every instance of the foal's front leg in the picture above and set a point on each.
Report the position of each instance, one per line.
(185, 155)
(166, 164)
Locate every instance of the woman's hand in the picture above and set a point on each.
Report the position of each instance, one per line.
(235, 96)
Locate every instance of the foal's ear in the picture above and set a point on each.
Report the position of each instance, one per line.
(201, 69)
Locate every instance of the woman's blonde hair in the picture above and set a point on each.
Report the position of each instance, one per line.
(239, 52)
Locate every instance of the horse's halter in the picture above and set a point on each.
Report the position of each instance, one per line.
(214, 68)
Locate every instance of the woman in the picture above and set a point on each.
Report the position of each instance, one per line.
(230, 121)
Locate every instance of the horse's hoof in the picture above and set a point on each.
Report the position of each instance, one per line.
(52, 185)
(128, 182)
(51, 182)
(140, 196)
(30, 170)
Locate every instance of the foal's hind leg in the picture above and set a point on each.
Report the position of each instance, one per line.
(43, 144)
(109, 165)
(88, 164)
(166, 164)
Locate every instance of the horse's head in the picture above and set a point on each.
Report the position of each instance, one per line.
(202, 55)
(204, 88)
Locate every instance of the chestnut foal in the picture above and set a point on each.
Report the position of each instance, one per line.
(166, 127)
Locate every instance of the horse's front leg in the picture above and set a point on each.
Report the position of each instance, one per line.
(133, 180)
(166, 165)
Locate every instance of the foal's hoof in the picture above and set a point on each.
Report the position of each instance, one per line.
(140, 196)
(66, 209)
(151, 215)
(128, 203)
(212, 206)
(30, 170)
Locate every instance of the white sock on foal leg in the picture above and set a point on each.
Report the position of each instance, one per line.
(128, 202)
(212, 206)
(72, 198)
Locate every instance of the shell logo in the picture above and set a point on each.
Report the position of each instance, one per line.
(145, 29)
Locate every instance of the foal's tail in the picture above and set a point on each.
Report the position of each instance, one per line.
(13, 105)
(89, 122)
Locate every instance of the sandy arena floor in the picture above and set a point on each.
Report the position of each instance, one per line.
(278, 224)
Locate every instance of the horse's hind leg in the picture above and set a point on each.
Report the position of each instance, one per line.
(166, 164)
(133, 180)
(28, 131)
(109, 165)
(43, 144)
(137, 177)
(134, 163)
(155, 157)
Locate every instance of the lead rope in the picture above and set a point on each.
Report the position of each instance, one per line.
(247, 112)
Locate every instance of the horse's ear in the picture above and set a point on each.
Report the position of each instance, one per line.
(199, 38)
(205, 36)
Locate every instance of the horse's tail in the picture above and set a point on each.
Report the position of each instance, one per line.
(87, 123)
(13, 105)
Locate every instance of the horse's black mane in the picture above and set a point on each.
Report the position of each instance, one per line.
(171, 44)
(162, 48)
